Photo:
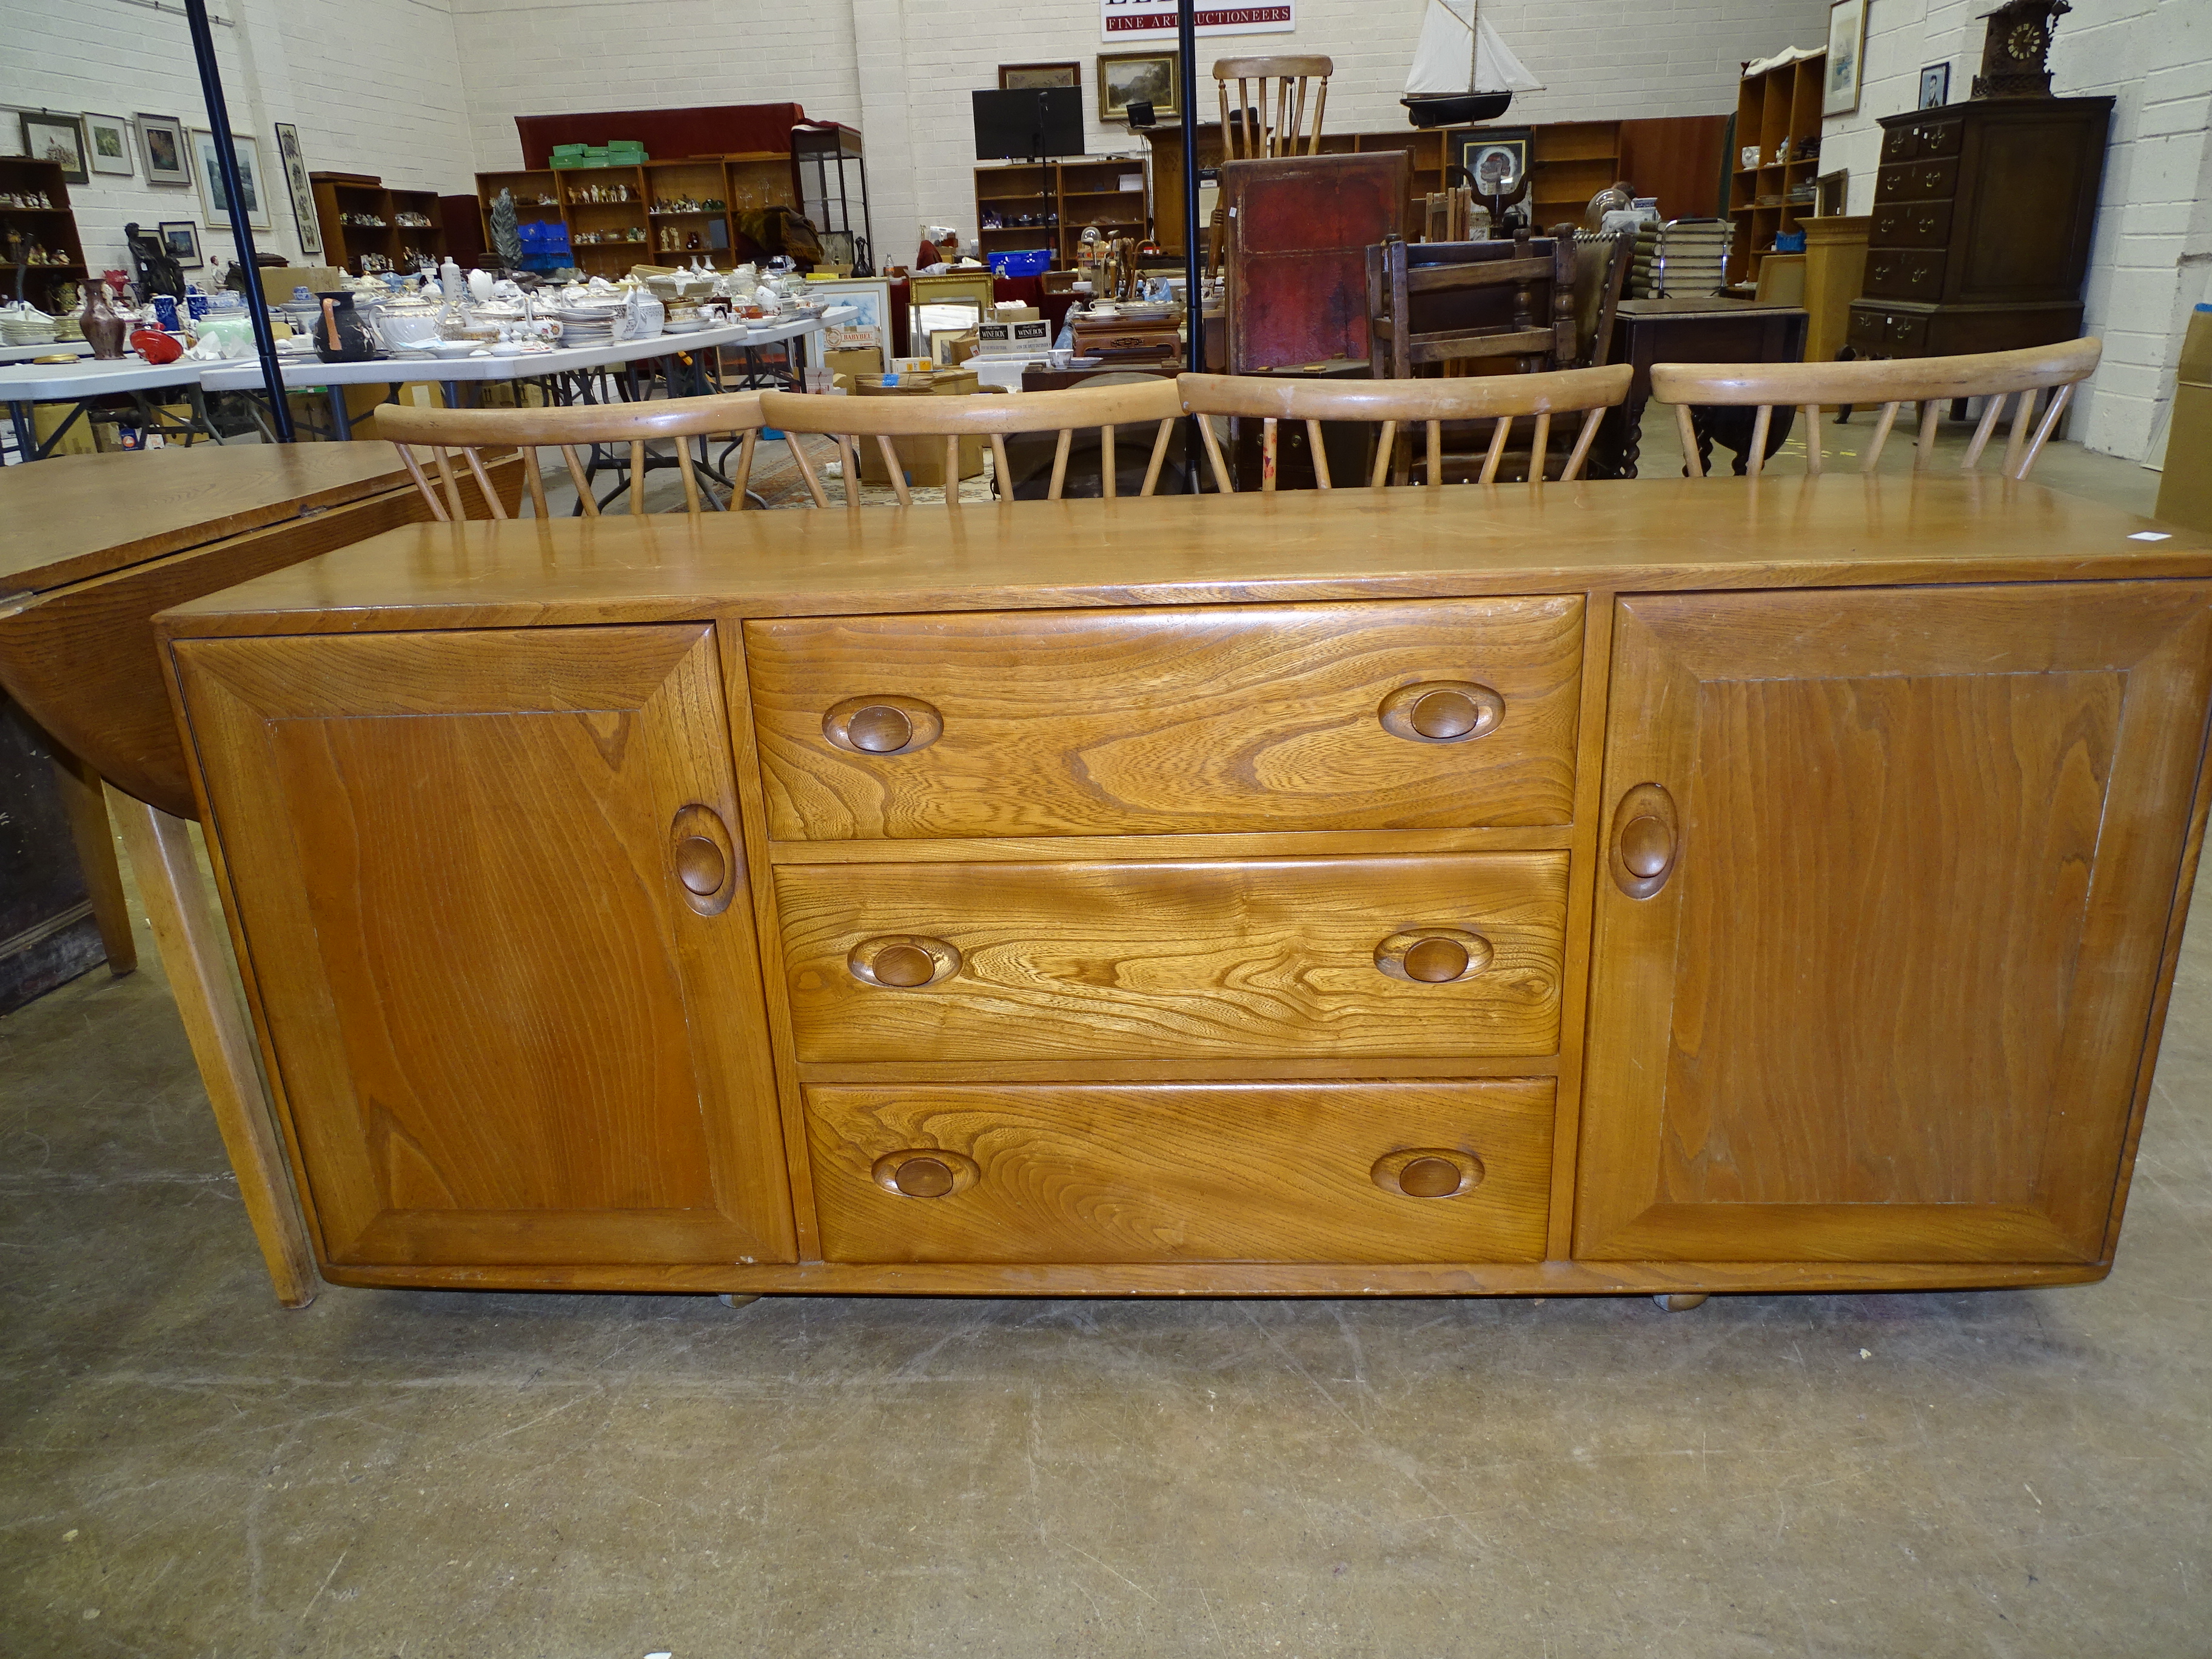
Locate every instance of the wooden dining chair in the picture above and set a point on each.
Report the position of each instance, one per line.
(1405, 404)
(470, 432)
(1931, 382)
(995, 416)
(1438, 302)
(1246, 139)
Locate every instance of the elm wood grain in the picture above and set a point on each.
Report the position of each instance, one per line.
(1179, 1278)
(1090, 849)
(1892, 998)
(81, 656)
(1171, 719)
(88, 515)
(1242, 1069)
(501, 1032)
(1257, 1172)
(1262, 958)
(189, 938)
(1315, 547)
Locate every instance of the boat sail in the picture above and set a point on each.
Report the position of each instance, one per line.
(1462, 68)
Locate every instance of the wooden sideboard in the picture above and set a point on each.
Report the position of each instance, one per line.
(1672, 885)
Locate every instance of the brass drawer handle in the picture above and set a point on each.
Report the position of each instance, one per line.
(903, 962)
(1442, 711)
(1428, 1172)
(1434, 955)
(924, 1172)
(881, 726)
(704, 858)
(1646, 843)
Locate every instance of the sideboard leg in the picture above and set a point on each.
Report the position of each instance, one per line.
(86, 807)
(190, 942)
(1681, 1301)
(730, 1299)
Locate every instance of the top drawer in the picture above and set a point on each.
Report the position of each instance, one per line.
(1427, 715)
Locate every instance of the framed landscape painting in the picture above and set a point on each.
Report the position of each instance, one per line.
(214, 206)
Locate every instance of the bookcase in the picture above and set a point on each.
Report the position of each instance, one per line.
(50, 230)
(1059, 199)
(1777, 110)
(358, 218)
(620, 216)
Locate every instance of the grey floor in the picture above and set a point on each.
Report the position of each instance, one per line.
(189, 1470)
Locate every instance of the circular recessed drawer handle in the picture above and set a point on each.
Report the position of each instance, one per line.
(903, 962)
(1428, 1172)
(1434, 955)
(1442, 711)
(924, 1172)
(1646, 842)
(887, 725)
(704, 858)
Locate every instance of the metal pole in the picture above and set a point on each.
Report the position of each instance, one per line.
(226, 163)
(1193, 261)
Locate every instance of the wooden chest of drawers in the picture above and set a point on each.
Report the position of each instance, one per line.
(1642, 886)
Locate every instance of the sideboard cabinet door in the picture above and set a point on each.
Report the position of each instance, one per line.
(1887, 881)
(500, 931)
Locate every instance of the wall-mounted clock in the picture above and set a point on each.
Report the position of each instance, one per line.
(2014, 49)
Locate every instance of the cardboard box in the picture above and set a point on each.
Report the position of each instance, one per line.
(1028, 338)
(2184, 488)
(278, 282)
(856, 359)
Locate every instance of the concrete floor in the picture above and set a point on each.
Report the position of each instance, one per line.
(190, 1471)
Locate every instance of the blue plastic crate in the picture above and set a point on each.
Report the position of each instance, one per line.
(1022, 262)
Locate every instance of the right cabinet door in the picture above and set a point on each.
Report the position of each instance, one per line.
(1887, 876)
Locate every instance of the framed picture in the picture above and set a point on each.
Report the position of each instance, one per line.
(872, 327)
(1021, 77)
(180, 240)
(1934, 86)
(1140, 77)
(162, 142)
(56, 138)
(1832, 190)
(1846, 57)
(107, 144)
(303, 193)
(1495, 161)
(11, 133)
(214, 207)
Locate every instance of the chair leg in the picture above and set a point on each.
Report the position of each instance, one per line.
(191, 941)
(87, 806)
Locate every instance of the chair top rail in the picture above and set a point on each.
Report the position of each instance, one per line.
(1901, 380)
(579, 423)
(1251, 69)
(978, 413)
(1472, 398)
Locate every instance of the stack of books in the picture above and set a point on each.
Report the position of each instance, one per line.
(1681, 259)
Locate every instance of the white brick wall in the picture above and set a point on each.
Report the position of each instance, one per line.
(373, 86)
(2148, 262)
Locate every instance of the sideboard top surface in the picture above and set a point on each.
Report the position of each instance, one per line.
(1836, 530)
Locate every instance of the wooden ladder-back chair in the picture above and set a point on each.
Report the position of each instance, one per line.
(1285, 131)
(1492, 298)
(1931, 382)
(1397, 403)
(995, 416)
(469, 431)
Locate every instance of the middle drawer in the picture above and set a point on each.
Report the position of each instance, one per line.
(1445, 957)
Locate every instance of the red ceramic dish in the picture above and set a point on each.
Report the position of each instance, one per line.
(155, 347)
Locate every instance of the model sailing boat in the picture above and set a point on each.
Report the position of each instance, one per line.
(1462, 68)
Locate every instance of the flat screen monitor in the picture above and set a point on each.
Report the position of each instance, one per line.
(1031, 122)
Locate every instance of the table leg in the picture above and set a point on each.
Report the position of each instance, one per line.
(191, 941)
(26, 435)
(83, 799)
(452, 391)
(341, 418)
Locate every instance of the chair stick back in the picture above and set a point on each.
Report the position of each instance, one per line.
(1930, 382)
(994, 416)
(1398, 406)
(469, 433)
(1284, 132)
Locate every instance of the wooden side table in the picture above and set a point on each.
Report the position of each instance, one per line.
(1716, 331)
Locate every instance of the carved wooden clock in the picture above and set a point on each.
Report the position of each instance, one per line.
(2014, 49)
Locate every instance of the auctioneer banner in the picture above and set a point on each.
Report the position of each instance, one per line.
(1146, 22)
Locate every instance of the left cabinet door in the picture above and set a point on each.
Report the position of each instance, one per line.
(500, 929)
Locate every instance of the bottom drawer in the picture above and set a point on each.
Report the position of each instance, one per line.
(1368, 1172)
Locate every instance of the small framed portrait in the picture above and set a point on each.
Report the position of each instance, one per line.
(1846, 69)
(1495, 161)
(214, 206)
(1140, 78)
(1934, 86)
(56, 138)
(180, 240)
(162, 145)
(107, 145)
(1021, 77)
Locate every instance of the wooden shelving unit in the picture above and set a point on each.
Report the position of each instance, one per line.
(1781, 104)
(53, 228)
(1069, 195)
(742, 183)
(341, 197)
(1572, 161)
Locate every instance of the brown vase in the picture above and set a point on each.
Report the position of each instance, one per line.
(100, 324)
